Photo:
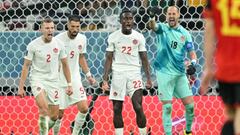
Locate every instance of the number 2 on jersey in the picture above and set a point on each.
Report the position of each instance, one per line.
(48, 58)
(127, 49)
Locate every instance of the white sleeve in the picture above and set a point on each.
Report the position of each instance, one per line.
(142, 43)
(30, 52)
(110, 46)
(62, 53)
(84, 46)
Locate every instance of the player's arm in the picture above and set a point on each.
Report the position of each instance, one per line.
(152, 11)
(209, 50)
(67, 75)
(107, 65)
(107, 69)
(85, 68)
(24, 74)
(209, 44)
(146, 68)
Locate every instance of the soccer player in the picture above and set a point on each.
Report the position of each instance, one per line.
(44, 54)
(75, 44)
(223, 25)
(174, 42)
(125, 53)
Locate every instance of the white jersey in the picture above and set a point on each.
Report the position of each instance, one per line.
(74, 47)
(45, 59)
(126, 50)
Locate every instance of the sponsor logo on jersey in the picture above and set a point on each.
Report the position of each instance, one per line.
(135, 41)
(55, 50)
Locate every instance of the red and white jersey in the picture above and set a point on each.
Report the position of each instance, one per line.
(45, 59)
(126, 50)
(225, 14)
(74, 47)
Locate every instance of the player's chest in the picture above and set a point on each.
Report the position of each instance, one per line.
(175, 41)
(47, 53)
(126, 44)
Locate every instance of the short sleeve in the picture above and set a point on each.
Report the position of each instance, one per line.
(142, 43)
(62, 53)
(84, 46)
(110, 47)
(30, 52)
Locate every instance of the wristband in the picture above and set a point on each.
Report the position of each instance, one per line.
(193, 61)
(88, 74)
(69, 84)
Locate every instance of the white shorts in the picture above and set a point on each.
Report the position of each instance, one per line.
(51, 90)
(79, 94)
(125, 83)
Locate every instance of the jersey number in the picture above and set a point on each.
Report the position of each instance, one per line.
(48, 58)
(126, 49)
(82, 90)
(56, 94)
(137, 84)
(229, 16)
(174, 45)
(71, 54)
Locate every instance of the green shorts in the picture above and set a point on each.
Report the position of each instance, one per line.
(172, 85)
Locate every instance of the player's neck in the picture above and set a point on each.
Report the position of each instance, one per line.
(126, 32)
(45, 40)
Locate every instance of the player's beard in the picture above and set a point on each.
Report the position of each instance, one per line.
(73, 34)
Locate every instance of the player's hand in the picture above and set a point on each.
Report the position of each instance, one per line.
(191, 69)
(69, 90)
(153, 11)
(21, 92)
(105, 86)
(207, 77)
(91, 80)
(149, 84)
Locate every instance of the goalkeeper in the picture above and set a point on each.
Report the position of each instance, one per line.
(173, 41)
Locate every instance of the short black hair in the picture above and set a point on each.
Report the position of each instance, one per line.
(75, 18)
(125, 10)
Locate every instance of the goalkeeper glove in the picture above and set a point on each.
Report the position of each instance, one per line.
(152, 11)
(191, 68)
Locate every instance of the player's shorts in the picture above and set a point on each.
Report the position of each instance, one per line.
(170, 86)
(125, 83)
(79, 94)
(230, 93)
(51, 90)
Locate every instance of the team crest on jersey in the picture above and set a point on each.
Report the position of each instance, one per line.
(182, 38)
(135, 42)
(80, 47)
(55, 50)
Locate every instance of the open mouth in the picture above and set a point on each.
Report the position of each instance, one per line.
(50, 35)
(171, 20)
